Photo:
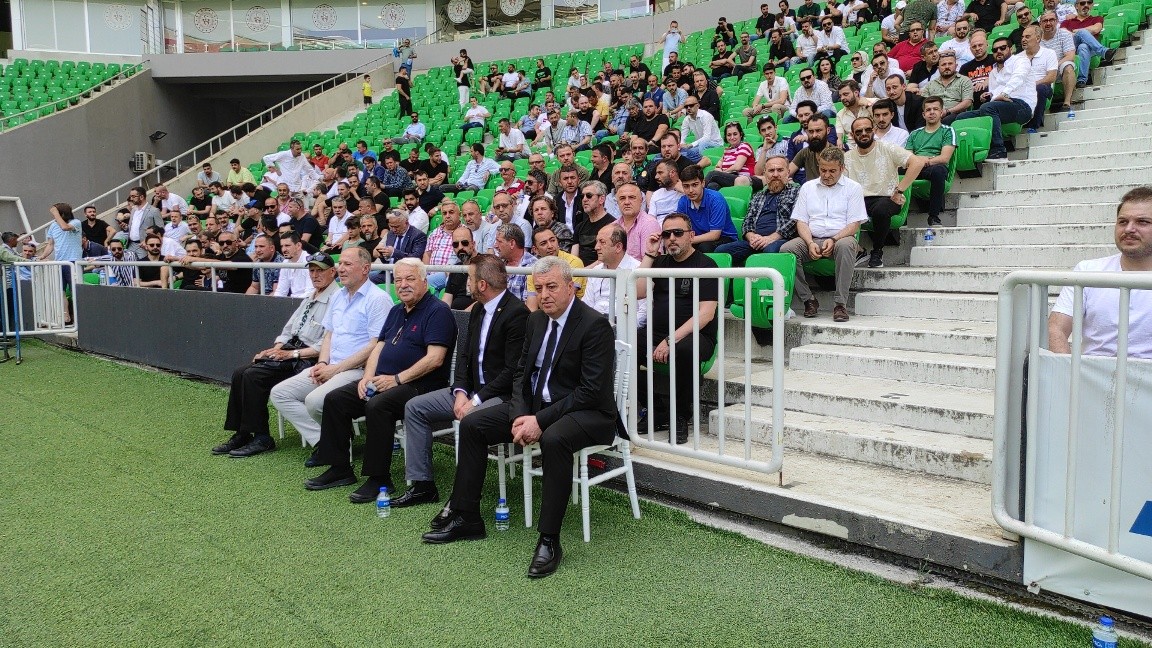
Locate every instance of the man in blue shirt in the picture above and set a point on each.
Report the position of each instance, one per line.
(64, 239)
(411, 358)
(711, 220)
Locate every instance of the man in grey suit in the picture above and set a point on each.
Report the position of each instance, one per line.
(142, 215)
(484, 371)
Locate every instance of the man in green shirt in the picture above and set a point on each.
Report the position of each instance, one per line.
(935, 142)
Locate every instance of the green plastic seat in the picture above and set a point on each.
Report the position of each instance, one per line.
(760, 308)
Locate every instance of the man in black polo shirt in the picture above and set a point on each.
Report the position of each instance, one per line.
(764, 23)
(410, 359)
(429, 195)
(649, 126)
(669, 150)
(672, 249)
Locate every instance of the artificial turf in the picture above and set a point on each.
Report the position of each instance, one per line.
(118, 528)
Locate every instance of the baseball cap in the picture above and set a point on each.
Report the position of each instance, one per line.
(901, 4)
(321, 261)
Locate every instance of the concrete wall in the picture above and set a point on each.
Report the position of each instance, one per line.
(233, 66)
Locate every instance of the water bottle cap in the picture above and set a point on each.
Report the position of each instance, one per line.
(1106, 621)
(503, 502)
(383, 489)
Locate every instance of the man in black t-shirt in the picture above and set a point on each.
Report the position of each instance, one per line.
(764, 22)
(636, 65)
(456, 290)
(649, 126)
(675, 240)
(542, 78)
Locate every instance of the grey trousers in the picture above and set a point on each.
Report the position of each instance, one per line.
(844, 254)
(424, 415)
(301, 401)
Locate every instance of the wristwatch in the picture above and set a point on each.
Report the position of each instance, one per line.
(296, 354)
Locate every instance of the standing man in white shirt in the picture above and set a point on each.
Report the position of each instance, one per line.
(351, 325)
(294, 167)
(1011, 95)
(828, 214)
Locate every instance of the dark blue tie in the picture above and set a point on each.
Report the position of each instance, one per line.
(549, 351)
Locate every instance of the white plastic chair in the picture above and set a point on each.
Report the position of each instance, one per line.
(619, 448)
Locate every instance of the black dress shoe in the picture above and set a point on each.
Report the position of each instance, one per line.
(456, 528)
(369, 491)
(414, 496)
(442, 518)
(312, 461)
(254, 447)
(238, 440)
(547, 557)
(331, 478)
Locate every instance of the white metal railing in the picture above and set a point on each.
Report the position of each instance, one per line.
(624, 286)
(50, 307)
(1017, 360)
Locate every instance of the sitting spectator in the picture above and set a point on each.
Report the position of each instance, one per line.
(111, 275)
(1132, 233)
(772, 145)
(813, 90)
(239, 176)
(543, 211)
(207, 176)
(168, 202)
(781, 52)
(435, 166)
(509, 247)
(926, 69)
(831, 43)
(475, 116)
(575, 132)
(593, 194)
(438, 251)
(883, 112)
(1011, 95)
(410, 358)
(768, 225)
(692, 313)
(152, 276)
(665, 199)
(544, 244)
(512, 143)
(1024, 18)
(935, 144)
(567, 198)
(429, 195)
(909, 106)
(738, 161)
(600, 292)
(1043, 64)
(771, 96)
(292, 282)
(402, 242)
(352, 324)
(201, 203)
(457, 292)
(828, 213)
(806, 163)
(707, 210)
(948, 13)
(293, 351)
(908, 52)
(535, 184)
(875, 166)
(1061, 43)
(303, 223)
(417, 217)
(960, 44)
(476, 172)
(807, 44)
(264, 280)
(414, 133)
(394, 180)
(745, 56)
(708, 97)
(723, 64)
(1086, 29)
(701, 125)
(874, 79)
(854, 106)
(318, 159)
(954, 90)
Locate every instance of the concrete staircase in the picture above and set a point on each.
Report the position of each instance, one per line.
(889, 416)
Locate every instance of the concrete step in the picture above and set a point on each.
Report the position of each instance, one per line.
(1033, 177)
(1008, 256)
(935, 408)
(915, 451)
(1113, 91)
(934, 520)
(963, 307)
(1109, 192)
(1058, 144)
(962, 280)
(908, 333)
(1064, 213)
(977, 372)
(1064, 234)
(1094, 158)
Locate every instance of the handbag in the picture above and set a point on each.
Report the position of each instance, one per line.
(295, 365)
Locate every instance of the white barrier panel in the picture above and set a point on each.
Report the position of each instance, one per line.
(1086, 488)
(1060, 571)
(50, 308)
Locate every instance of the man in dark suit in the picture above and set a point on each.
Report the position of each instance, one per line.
(402, 242)
(484, 371)
(562, 397)
(142, 217)
(909, 106)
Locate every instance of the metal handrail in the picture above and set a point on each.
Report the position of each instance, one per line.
(137, 68)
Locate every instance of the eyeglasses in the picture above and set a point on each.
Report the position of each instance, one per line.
(691, 105)
(879, 64)
(1000, 48)
(590, 195)
(152, 245)
(669, 233)
(460, 244)
(507, 170)
(862, 131)
(830, 24)
(807, 77)
(225, 241)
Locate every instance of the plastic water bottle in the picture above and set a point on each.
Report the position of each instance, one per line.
(369, 391)
(383, 503)
(502, 515)
(1104, 635)
(113, 279)
(929, 236)
(395, 447)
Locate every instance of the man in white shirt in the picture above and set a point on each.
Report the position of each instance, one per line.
(830, 40)
(414, 133)
(883, 112)
(1133, 236)
(293, 167)
(476, 172)
(293, 282)
(1011, 95)
(1063, 45)
(512, 144)
(701, 125)
(959, 43)
(771, 96)
(664, 200)
(814, 90)
(168, 202)
(509, 80)
(475, 116)
(807, 44)
(828, 214)
(873, 79)
(1043, 63)
(176, 229)
(611, 254)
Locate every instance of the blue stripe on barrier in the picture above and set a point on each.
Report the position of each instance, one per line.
(1143, 523)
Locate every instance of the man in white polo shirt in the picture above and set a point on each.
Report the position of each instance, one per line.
(828, 213)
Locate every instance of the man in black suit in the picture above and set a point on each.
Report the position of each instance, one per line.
(562, 397)
(909, 106)
(402, 242)
(484, 371)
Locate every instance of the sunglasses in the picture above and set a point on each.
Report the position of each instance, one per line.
(226, 242)
(461, 244)
(319, 258)
(590, 195)
(862, 131)
(268, 207)
(691, 105)
(1083, 4)
(669, 233)
(807, 77)
(1000, 48)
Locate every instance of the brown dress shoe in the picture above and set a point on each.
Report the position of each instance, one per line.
(811, 307)
(839, 313)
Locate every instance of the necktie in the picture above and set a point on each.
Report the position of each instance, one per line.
(549, 351)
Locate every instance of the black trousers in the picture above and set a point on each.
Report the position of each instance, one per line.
(558, 443)
(381, 412)
(681, 388)
(248, 397)
(880, 210)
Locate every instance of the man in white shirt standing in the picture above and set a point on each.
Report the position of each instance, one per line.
(1133, 236)
(771, 96)
(828, 214)
(1011, 95)
(294, 168)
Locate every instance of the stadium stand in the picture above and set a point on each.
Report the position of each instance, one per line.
(33, 89)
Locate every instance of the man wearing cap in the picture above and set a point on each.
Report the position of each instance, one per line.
(294, 350)
(351, 324)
